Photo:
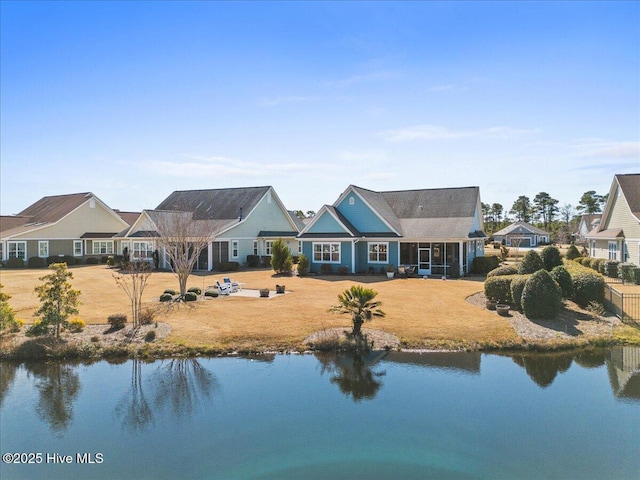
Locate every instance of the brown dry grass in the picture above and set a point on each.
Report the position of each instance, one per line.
(422, 313)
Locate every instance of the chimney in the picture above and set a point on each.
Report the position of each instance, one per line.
(240, 215)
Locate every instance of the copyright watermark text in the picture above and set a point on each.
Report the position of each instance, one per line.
(52, 458)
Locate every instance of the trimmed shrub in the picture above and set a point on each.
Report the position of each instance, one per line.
(211, 293)
(626, 272)
(104, 259)
(117, 321)
(499, 288)
(36, 262)
(636, 275)
(517, 286)
(580, 260)
(228, 266)
(150, 336)
(37, 329)
(531, 263)
(561, 275)
(76, 325)
(253, 261)
(573, 253)
(92, 261)
(14, 263)
(588, 286)
(326, 269)
(170, 291)
(303, 265)
(541, 296)
(342, 270)
(504, 270)
(611, 268)
(597, 264)
(195, 290)
(190, 297)
(483, 265)
(68, 259)
(166, 297)
(551, 257)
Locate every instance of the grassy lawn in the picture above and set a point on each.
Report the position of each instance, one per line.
(422, 313)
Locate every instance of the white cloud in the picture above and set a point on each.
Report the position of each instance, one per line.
(614, 150)
(436, 132)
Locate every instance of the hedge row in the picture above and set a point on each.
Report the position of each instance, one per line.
(588, 285)
(483, 265)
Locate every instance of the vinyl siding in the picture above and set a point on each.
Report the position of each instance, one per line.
(265, 217)
(345, 256)
(326, 224)
(621, 217)
(361, 216)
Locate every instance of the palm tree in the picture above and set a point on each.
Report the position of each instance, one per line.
(357, 301)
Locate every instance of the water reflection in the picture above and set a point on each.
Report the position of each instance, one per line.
(623, 365)
(176, 388)
(7, 376)
(544, 367)
(460, 362)
(58, 386)
(353, 373)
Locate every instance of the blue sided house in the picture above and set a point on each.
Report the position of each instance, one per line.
(428, 232)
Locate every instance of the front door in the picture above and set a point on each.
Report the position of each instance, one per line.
(424, 261)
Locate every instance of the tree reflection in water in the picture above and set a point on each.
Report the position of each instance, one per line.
(353, 373)
(7, 376)
(177, 387)
(544, 367)
(133, 409)
(181, 385)
(58, 386)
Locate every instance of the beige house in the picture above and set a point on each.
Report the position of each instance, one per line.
(78, 225)
(617, 237)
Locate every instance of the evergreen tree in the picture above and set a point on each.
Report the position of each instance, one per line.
(58, 299)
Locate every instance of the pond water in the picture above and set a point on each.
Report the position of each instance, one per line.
(380, 415)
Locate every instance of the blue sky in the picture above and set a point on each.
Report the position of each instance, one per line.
(133, 100)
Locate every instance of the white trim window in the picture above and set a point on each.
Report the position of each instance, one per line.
(255, 247)
(17, 250)
(268, 247)
(378, 252)
(592, 253)
(143, 250)
(43, 248)
(102, 247)
(235, 248)
(613, 250)
(326, 252)
(77, 248)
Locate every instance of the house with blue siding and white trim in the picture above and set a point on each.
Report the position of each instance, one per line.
(430, 231)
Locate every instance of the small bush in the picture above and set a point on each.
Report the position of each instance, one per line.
(76, 325)
(573, 253)
(531, 263)
(37, 329)
(92, 261)
(170, 291)
(326, 269)
(14, 263)
(499, 288)
(228, 266)
(196, 290)
(303, 265)
(211, 293)
(636, 275)
(541, 296)
(561, 275)
(104, 259)
(597, 264)
(611, 268)
(342, 270)
(150, 336)
(551, 257)
(580, 260)
(190, 297)
(146, 316)
(253, 261)
(588, 286)
(504, 270)
(281, 260)
(166, 297)
(517, 286)
(117, 321)
(95, 339)
(36, 262)
(483, 265)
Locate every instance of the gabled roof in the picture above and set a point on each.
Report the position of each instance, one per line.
(433, 213)
(520, 224)
(630, 186)
(215, 204)
(129, 217)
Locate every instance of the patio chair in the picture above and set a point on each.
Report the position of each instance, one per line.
(223, 289)
(232, 285)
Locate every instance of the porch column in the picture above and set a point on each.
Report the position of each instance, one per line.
(209, 255)
(460, 259)
(353, 256)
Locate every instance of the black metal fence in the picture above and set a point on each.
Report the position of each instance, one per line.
(625, 306)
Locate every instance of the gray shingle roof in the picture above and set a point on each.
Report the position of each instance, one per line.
(630, 185)
(530, 228)
(215, 204)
